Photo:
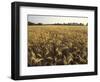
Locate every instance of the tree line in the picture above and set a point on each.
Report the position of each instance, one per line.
(75, 24)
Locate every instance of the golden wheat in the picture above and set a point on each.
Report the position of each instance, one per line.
(57, 45)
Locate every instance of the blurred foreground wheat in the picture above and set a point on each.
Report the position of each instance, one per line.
(57, 45)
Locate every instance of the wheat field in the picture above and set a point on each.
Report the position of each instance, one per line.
(57, 45)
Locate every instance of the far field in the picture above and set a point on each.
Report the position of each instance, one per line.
(57, 45)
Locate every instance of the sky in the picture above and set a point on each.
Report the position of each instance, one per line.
(47, 19)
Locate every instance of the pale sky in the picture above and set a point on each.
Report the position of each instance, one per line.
(56, 19)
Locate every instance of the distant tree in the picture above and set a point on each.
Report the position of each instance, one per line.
(87, 24)
(30, 23)
(81, 24)
(39, 24)
(76, 24)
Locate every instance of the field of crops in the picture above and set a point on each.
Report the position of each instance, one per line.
(57, 45)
